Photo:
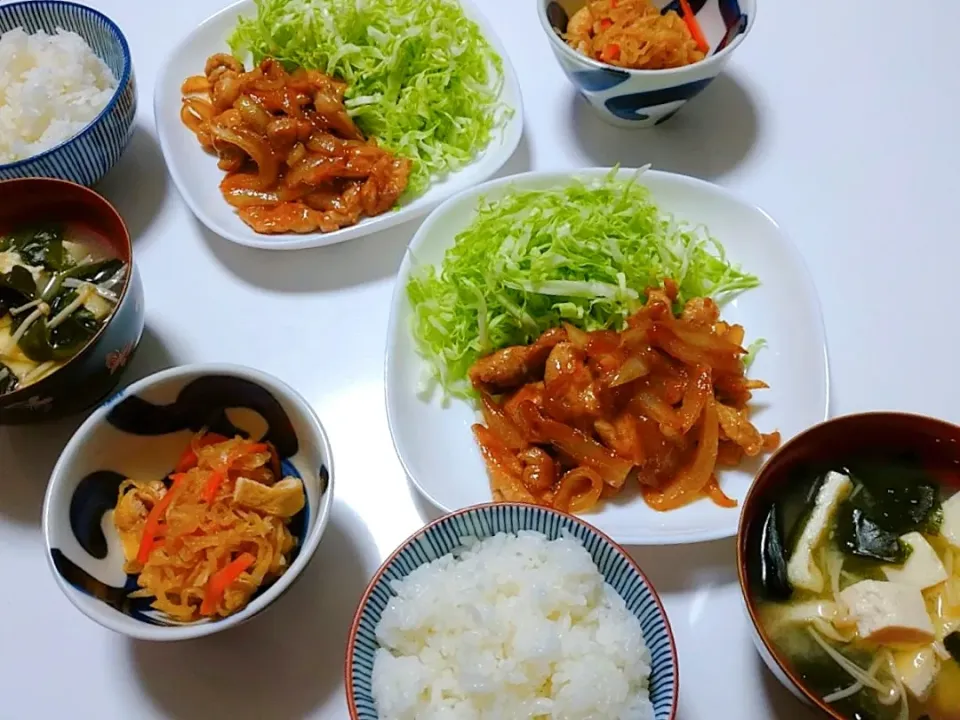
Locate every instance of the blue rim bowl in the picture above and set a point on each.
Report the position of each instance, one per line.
(645, 98)
(443, 536)
(140, 432)
(87, 156)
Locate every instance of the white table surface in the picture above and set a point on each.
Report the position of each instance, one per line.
(845, 131)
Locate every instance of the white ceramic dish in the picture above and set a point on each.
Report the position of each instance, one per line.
(436, 446)
(140, 432)
(197, 176)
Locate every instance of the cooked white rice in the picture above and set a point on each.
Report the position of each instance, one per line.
(518, 627)
(51, 87)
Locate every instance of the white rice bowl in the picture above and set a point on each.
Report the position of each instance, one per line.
(516, 626)
(51, 88)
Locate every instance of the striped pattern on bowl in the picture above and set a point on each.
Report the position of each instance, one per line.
(482, 521)
(87, 156)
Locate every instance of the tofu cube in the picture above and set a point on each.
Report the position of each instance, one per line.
(918, 671)
(923, 568)
(889, 613)
(802, 570)
(950, 529)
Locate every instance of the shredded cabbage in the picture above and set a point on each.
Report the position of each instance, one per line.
(421, 77)
(583, 254)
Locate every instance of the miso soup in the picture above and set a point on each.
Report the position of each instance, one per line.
(58, 285)
(855, 572)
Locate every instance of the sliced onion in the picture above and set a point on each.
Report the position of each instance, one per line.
(253, 113)
(632, 369)
(256, 147)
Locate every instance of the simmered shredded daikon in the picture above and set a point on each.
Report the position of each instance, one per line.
(178, 538)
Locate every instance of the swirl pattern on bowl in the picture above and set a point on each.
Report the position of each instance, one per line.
(140, 432)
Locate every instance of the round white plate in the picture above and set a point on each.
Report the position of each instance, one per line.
(436, 445)
(197, 176)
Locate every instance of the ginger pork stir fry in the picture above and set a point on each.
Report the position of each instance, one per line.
(206, 539)
(574, 415)
(295, 161)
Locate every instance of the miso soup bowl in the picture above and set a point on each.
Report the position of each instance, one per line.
(823, 444)
(140, 433)
(94, 372)
(645, 98)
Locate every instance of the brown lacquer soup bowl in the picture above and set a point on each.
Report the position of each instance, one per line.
(71, 299)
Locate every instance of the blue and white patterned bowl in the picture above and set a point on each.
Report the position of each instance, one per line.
(482, 521)
(140, 432)
(645, 98)
(87, 156)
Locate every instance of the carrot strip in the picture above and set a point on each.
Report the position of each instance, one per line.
(223, 579)
(151, 528)
(209, 492)
(691, 20)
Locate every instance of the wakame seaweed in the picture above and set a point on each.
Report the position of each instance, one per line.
(41, 245)
(819, 672)
(8, 381)
(53, 299)
(900, 497)
(773, 558)
(858, 535)
(952, 643)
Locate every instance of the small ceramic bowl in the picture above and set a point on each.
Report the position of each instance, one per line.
(833, 441)
(443, 536)
(91, 374)
(87, 156)
(644, 98)
(140, 433)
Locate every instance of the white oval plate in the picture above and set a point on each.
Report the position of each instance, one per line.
(197, 176)
(435, 443)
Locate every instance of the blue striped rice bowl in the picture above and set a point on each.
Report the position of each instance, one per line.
(482, 521)
(87, 156)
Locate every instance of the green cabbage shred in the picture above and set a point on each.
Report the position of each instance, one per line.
(583, 254)
(421, 77)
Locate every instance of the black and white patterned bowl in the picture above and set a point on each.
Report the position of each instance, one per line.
(87, 156)
(140, 432)
(445, 535)
(645, 98)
